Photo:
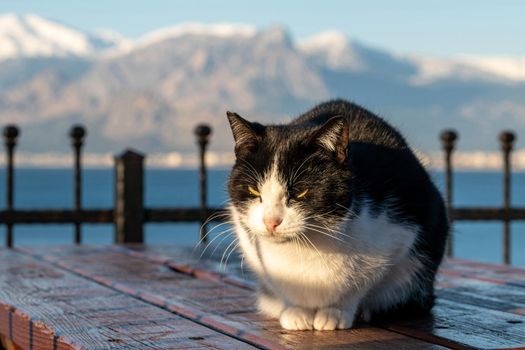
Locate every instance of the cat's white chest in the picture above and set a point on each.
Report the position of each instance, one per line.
(300, 272)
(315, 277)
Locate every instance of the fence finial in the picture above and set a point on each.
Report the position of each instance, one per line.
(11, 132)
(77, 134)
(448, 139)
(507, 139)
(203, 132)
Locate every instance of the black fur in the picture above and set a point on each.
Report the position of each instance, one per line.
(375, 165)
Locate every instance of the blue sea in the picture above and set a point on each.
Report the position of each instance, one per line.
(53, 188)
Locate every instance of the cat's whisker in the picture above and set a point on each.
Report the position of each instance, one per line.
(230, 222)
(210, 231)
(228, 232)
(317, 217)
(315, 248)
(222, 204)
(252, 177)
(249, 173)
(334, 231)
(219, 225)
(295, 174)
(224, 253)
(294, 239)
(242, 264)
(322, 215)
(299, 247)
(234, 243)
(213, 217)
(327, 230)
(230, 253)
(220, 243)
(250, 170)
(249, 165)
(348, 210)
(251, 239)
(326, 234)
(301, 241)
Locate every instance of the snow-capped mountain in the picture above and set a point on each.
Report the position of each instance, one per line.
(431, 69)
(219, 30)
(336, 51)
(150, 92)
(33, 36)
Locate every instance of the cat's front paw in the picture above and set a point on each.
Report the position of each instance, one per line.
(330, 318)
(297, 319)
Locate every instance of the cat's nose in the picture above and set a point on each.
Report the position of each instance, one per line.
(271, 222)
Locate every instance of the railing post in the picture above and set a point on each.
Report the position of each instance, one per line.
(77, 134)
(448, 140)
(129, 197)
(203, 133)
(11, 133)
(507, 139)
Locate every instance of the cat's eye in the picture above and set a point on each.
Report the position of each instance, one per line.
(253, 191)
(302, 194)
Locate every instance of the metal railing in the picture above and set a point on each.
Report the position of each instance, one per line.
(505, 214)
(129, 215)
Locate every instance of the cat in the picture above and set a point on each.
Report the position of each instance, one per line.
(336, 217)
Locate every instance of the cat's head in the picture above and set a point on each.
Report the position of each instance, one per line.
(290, 179)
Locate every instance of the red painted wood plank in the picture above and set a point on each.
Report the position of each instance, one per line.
(467, 288)
(191, 297)
(493, 273)
(466, 285)
(43, 307)
(477, 292)
(192, 261)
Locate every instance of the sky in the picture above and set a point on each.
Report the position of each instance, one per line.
(440, 28)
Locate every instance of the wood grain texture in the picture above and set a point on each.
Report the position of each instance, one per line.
(500, 297)
(44, 307)
(457, 325)
(495, 287)
(211, 302)
(492, 273)
(481, 288)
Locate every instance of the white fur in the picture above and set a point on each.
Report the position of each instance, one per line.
(320, 284)
(297, 318)
(272, 306)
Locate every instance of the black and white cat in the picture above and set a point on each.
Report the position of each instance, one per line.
(337, 218)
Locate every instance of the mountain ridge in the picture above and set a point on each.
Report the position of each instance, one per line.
(149, 93)
(507, 67)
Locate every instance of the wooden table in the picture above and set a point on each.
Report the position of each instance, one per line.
(165, 297)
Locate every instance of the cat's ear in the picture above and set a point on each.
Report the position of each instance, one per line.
(245, 134)
(334, 137)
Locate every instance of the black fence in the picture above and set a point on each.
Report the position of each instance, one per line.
(505, 214)
(129, 214)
